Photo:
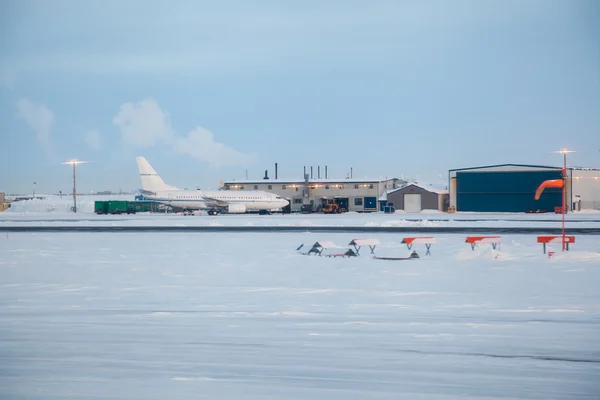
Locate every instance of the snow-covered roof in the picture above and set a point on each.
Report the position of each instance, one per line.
(365, 242)
(301, 181)
(429, 187)
(327, 244)
(384, 195)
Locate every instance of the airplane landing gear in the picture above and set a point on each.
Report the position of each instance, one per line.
(212, 212)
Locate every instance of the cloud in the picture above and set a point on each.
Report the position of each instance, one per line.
(39, 118)
(94, 140)
(143, 124)
(200, 144)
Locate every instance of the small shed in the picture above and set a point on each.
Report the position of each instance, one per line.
(414, 198)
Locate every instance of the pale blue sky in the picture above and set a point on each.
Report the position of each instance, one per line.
(206, 90)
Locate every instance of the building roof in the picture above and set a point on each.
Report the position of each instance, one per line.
(301, 181)
(429, 188)
(584, 169)
(506, 165)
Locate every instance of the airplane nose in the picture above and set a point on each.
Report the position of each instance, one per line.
(284, 203)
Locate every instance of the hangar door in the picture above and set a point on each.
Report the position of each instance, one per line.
(412, 202)
(505, 191)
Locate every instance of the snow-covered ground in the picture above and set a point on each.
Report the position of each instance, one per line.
(307, 220)
(54, 211)
(244, 316)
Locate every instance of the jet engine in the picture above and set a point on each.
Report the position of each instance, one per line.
(236, 208)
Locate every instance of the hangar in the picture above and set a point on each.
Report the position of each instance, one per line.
(511, 188)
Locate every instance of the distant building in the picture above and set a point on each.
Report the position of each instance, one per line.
(415, 198)
(511, 188)
(360, 195)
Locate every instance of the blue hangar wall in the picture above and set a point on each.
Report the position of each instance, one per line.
(504, 188)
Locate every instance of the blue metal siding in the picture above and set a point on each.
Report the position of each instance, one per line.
(505, 191)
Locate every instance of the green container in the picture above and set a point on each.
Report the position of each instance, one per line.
(101, 207)
(144, 206)
(118, 207)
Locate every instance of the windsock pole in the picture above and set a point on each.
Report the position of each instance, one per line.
(564, 188)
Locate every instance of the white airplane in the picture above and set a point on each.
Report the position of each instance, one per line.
(234, 202)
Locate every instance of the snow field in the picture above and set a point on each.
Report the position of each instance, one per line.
(242, 315)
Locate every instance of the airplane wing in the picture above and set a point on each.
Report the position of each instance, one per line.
(218, 203)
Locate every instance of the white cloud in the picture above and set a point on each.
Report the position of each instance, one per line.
(142, 124)
(200, 144)
(39, 118)
(94, 140)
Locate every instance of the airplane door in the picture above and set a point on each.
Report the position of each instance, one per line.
(170, 197)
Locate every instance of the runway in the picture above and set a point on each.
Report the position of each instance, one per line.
(340, 229)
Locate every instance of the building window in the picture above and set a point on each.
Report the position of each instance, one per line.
(355, 186)
(283, 187)
(296, 189)
(297, 201)
(241, 187)
(326, 186)
(358, 201)
(371, 186)
(270, 187)
(255, 187)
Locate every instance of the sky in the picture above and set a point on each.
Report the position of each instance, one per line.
(211, 90)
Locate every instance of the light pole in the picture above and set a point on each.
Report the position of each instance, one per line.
(564, 192)
(74, 163)
(558, 183)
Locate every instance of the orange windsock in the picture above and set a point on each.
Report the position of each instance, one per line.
(553, 183)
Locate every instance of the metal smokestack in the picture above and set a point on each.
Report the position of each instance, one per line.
(311, 172)
(318, 172)
(326, 172)
(275, 170)
(350, 172)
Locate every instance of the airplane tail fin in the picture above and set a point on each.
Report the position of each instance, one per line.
(151, 181)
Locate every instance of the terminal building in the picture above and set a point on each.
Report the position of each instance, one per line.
(323, 194)
(511, 188)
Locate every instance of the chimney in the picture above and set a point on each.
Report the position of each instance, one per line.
(311, 172)
(326, 172)
(318, 172)
(266, 174)
(275, 170)
(350, 172)
(304, 171)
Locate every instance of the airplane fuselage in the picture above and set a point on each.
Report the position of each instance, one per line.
(236, 201)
